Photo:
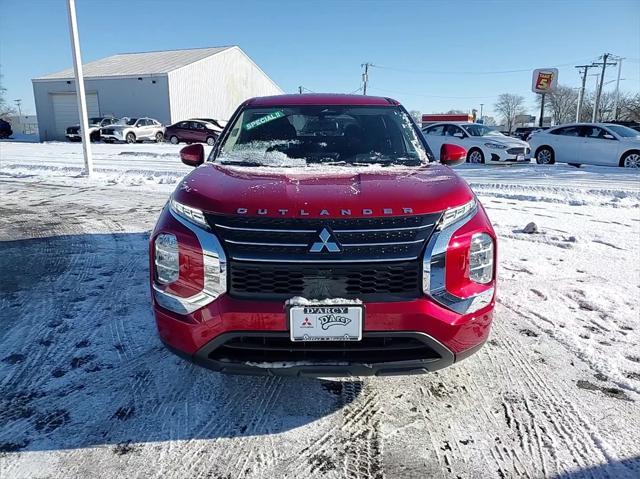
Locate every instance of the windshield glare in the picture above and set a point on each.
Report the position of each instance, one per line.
(624, 131)
(298, 135)
(480, 130)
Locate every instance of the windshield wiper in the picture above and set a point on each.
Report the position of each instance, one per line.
(242, 163)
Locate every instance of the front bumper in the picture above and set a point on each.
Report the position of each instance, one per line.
(202, 335)
(505, 156)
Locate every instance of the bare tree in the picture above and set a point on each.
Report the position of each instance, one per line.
(629, 107)
(5, 109)
(489, 120)
(562, 103)
(509, 106)
(416, 115)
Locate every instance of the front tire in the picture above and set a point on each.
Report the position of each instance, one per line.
(210, 140)
(174, 140)
(475, 156)
(630, 160)
(545, 156)
(130, 138)
(159, 137)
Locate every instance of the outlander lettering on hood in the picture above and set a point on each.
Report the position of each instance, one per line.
(325, 212)
(296, 243)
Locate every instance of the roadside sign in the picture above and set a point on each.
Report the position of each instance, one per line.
(544, 80)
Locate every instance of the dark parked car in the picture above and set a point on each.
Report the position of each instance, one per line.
(5, 129)
(192, 131)
(95, 123)
(524, 132)
(634, 125)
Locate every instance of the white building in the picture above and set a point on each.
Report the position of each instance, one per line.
(166, 85)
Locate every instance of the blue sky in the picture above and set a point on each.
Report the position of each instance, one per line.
(422, 48)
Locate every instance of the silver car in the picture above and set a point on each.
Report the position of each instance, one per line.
(132, 130)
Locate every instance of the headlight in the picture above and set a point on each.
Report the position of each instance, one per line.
(497, 146)
(167, 259)
(454, 214)
(481, 258)
(187, 212)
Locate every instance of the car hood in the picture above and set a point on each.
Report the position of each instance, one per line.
(320, 192)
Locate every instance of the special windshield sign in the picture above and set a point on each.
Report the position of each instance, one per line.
(544, 80)
(264, 119)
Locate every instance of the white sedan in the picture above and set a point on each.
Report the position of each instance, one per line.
(483, 144)
(587, 143)
(133, 130)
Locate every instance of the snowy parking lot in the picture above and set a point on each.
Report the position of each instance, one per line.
(88, 390)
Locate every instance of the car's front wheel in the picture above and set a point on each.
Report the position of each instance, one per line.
(545, 156)
(475, 156)
(159, 137)
(631, 160)
(210, 140)
(174, 140)
(130, 138)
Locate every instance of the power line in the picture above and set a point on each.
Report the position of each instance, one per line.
(434, 96)
(436, 72)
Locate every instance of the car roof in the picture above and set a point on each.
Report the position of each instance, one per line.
(320, 99)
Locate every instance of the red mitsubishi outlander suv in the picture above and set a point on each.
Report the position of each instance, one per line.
(320, 238)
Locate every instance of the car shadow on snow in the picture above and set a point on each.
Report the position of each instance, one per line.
(619, 469)
(81, 363)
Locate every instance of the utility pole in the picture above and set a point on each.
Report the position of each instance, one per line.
(584, 71)
(300, 90)
(365, 77)
(80, 93)
(615, 105)
(18, 103)
(481, 105)
(596, 107)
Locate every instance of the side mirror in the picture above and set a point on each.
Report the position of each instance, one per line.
(452, 155)
(458, 134)
(192, 155)
(608, 136)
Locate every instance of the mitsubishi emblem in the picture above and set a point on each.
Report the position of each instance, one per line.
(326, 241)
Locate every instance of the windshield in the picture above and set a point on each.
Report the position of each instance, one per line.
(95, 120)
(298, 135)
(624, 131)
(475, 129)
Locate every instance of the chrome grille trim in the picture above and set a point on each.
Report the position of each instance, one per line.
(284, 260)
(262, 230)
(382, 230)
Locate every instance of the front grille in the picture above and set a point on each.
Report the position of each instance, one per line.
(72, 130)
(373, 348)
(518, 151)
(265, 239)
(394, 281)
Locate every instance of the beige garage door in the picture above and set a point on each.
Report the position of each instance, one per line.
(65, 110)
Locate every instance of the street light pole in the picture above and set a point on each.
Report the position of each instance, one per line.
(80, 93)
(615, 105)
(18, 103)
(481, 105)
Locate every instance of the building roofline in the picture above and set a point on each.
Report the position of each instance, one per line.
(221, 49)
(109, 77)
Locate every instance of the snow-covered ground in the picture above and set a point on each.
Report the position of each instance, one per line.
(87, 390)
